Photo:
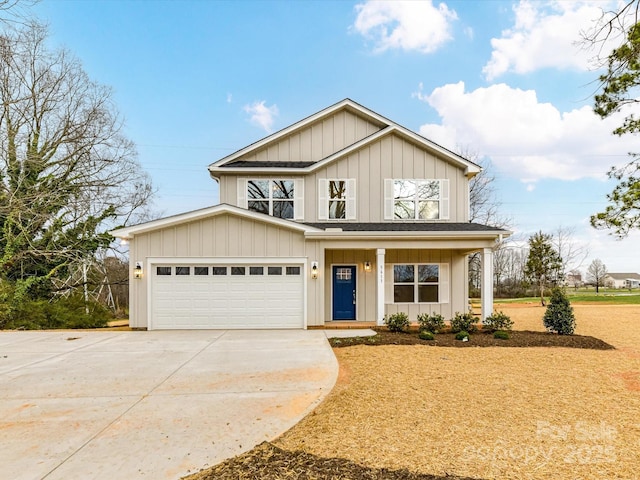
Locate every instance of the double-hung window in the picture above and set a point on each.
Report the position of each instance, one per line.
(272, 197)
(278, 197)
(336, 199)
(416, 199)
(420, 283)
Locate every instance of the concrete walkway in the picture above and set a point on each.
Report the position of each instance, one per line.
(153, 405)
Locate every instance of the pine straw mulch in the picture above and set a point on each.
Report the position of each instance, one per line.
(416, 412)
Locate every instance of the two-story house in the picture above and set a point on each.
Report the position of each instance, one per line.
(343, 216)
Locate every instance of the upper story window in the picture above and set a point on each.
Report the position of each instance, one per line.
(416, 199)
(336, 199)
(272, 196)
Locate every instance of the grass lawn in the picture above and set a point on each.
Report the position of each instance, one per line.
(418, 412)
(605, 296)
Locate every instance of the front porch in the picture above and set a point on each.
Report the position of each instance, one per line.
(358, 287)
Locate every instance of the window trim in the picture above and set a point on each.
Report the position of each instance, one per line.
(298, 195)
(416, 284)
(389, 200)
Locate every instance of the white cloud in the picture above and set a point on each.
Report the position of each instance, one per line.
(544, 35)
(229, 98)
(406, 25)
(525, 138)
(261, 115)
(617, 255)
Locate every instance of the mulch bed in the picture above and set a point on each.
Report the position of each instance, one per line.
(268, 462)
(479, 339)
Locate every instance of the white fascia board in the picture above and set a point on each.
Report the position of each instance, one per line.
(130, 232)
(296, 126)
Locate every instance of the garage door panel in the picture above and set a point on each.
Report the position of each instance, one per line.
(227, 301)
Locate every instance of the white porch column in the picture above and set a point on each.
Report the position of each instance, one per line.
(380, 286)
(487, 282)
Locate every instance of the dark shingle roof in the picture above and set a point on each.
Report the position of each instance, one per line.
(250, 164)
(407, 227)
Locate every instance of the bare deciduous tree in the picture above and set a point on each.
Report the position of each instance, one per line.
(572, 253)
(67, 173)
(596, 273)
(484, 206)
(15, 11)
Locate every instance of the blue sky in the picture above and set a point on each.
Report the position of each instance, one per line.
(197, 80)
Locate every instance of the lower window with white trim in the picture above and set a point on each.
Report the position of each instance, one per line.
(416, 283)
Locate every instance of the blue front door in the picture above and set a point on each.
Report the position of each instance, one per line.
(344, 292)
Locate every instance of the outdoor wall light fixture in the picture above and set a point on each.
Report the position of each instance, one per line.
(314, 270)
(137, 271)
(367, 266)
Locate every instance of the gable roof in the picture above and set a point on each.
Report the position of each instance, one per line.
(395, 229)
(233, 163)
(396, 226)
(208, 212)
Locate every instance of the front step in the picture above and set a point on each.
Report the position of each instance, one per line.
(342, 326)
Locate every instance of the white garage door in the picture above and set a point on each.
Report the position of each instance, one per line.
(226, 296)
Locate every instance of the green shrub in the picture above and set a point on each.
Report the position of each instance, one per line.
(27, 315)
(464, 322)
(6, 294)
(63, 312)
(397, 322)
(461, 335)
(497, 321)
(501, 335)
(559, 316)
(425, 335)
(430, 323)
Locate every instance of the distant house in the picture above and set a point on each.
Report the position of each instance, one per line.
(574, 279)
(622, 280)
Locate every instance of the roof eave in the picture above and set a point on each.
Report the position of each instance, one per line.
(408, 235)
(127, 233)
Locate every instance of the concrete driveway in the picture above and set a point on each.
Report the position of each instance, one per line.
(153, 405)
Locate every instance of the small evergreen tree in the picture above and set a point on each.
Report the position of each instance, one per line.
(544, 264)
(559, 316)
